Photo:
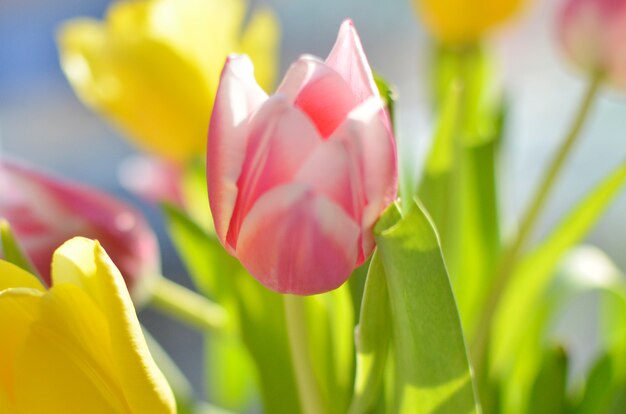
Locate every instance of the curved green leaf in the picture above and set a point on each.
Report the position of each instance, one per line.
(433, 374)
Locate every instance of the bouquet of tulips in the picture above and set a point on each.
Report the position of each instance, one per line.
(327, 279)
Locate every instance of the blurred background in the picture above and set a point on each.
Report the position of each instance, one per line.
(43, 122)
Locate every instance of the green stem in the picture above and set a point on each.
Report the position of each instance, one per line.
(510, 257)
(310, 395)
(187, 306)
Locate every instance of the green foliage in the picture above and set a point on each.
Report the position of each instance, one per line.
(11, 251)
(432, 372)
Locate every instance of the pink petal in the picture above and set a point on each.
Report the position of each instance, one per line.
(237, 97)
(293, 241)
(280, 139)
(348, 59)
(319, 92)
(356, 168)
(44, 212)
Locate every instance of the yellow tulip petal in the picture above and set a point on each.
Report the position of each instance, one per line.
(146, 88)
(13, 276)
(84, 263)
(462, 21)
(65, 364)
(19, 307)
(260, 42)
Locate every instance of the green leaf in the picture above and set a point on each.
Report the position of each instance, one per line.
(533, 275)
(11, 250)
(459, 186)
(583, 270)
(432, 368)
(256, 313)
(548, 395)
(206, 260)
(372, 340)
(388, 95)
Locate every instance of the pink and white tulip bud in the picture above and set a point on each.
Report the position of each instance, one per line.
(297, 180)
(593, 35)
(44, 212)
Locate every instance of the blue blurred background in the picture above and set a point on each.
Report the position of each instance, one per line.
(42, 121)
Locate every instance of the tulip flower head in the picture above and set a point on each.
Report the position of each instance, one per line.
(297, 180)
(44, 212)
(458, 22)
(593, 36)
(76, 347)
(152, 67)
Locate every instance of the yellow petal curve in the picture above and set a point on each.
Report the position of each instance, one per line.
(65, 364)
(155, 95)
(83, 262)
(19, 307)
(14, 276)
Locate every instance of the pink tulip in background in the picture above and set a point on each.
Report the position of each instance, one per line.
(593, 34)
(297, 180)
(44, 212)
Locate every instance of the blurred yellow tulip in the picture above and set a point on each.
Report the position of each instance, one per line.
(458, 22)
(153, 66)
(77, 347)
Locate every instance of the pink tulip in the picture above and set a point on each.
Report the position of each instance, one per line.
(593, 35)
(297, 180)
(44, 212)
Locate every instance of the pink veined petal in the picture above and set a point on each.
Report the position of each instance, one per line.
(320, 92)
(294, 241)
(238, 96)
(356, 168)
(280, 139)
(63, 209)
(348, 59)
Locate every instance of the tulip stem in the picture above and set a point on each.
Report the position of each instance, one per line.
(310, 395)
(511, 255)
(187, 306)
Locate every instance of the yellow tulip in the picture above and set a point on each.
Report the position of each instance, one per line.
(458, 22)
(153, 66)
(77, 347)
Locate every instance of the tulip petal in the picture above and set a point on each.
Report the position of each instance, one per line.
(280, 139)
(144, 86)
(19, 307)
(65, 363)
(84, 263)
(12, 276)
(320, 92)
(356, 168)
(237, 97)
(348, 59)
(294, 241)
(45, 211)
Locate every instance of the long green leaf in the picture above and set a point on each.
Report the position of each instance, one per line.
(372, 340)
(548, 395)
(533, 276)
(11, 251)
(432, 368)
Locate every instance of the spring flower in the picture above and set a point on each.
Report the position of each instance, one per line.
(76, 347)
(593, 36)
(152, 67)
(44, 212)
(458, 22)
(297, 180)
